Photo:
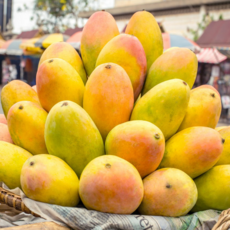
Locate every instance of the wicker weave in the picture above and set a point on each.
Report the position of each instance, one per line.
(224, 221)
(14, 201)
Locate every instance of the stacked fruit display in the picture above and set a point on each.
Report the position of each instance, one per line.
(119, 129)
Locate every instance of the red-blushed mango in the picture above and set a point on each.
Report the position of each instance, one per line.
(34, 88)
(3, 119)
(225, 156)
(213, 189)
(71, 134)
(126, 51)
(108, 97)
(204, 108)
(66, 52)
(111, 184)
(139, 142)
(5, 134)
(193, 150)
(49, 179)
(144, 26)
(16, 91)
(12, 159)
(168, 192)
(165, 106)
(26, 122)
(56, 81)
(220, 127)
(178, 63)
(99, 30)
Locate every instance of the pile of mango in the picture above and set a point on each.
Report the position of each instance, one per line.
(119, 129)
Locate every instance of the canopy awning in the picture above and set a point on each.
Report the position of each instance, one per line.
(210, 55)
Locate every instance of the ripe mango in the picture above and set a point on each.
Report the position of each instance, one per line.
(16, 91)
(12, 159)
(108, 97)
(126, 51)
(99, 29)
(111, 184)
(56, 81)
(225, 156)
(221, 127)
(49, 179)
(165, 106)
(213, 189)
(26, 122)
(178, 63)
(139, 142)
(66, 52)
(204, 108)
(5, 134)
(168, 192)
(193, 150)
(71, 135)
(34, 88)
(3, 119)
(144, 26)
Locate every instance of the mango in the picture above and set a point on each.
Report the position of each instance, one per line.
(144, 26)
(213, 189)
(99, 30)
(165, 106)
(3, 119)
(26, 122)
(126, 51)
(178, 63)
(71, 135)
(49, 179)
(16, 91)
(34, 88)
(225, 156)
(120, 191)
(139, 142)
(56, 81)
(108, 97)
(204, 108)
(66, 52)
(5, 134)
(221, 127)
(168, 192)
(193, 150)
(12, 159)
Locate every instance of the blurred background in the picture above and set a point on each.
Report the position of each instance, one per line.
(28, 27)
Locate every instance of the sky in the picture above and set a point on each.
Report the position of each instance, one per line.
(21, 20)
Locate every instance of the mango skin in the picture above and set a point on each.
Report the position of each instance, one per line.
(162, 109)
(221, 127)
(108, 97)
(126, 51)
(3, 119)
(34, 88)
(168, 192)
(193, 150)
(111, 184)
(12, 158)
(56, 81)
(26, 122)
(213, 189)
(16, 91)
(66, 52)
(144, 26)
(178, 63)
(202, 101)
(42, 183)
(225, 156)
(82, 141)
(98, 31)
(139, 142)
(5, 134)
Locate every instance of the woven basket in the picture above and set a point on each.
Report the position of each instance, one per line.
(14, 201)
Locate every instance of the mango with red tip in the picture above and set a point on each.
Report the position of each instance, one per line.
(3, 119)
(144, 26)
(98, 31)
(178, 63)
(108, 97)
(126, 51)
